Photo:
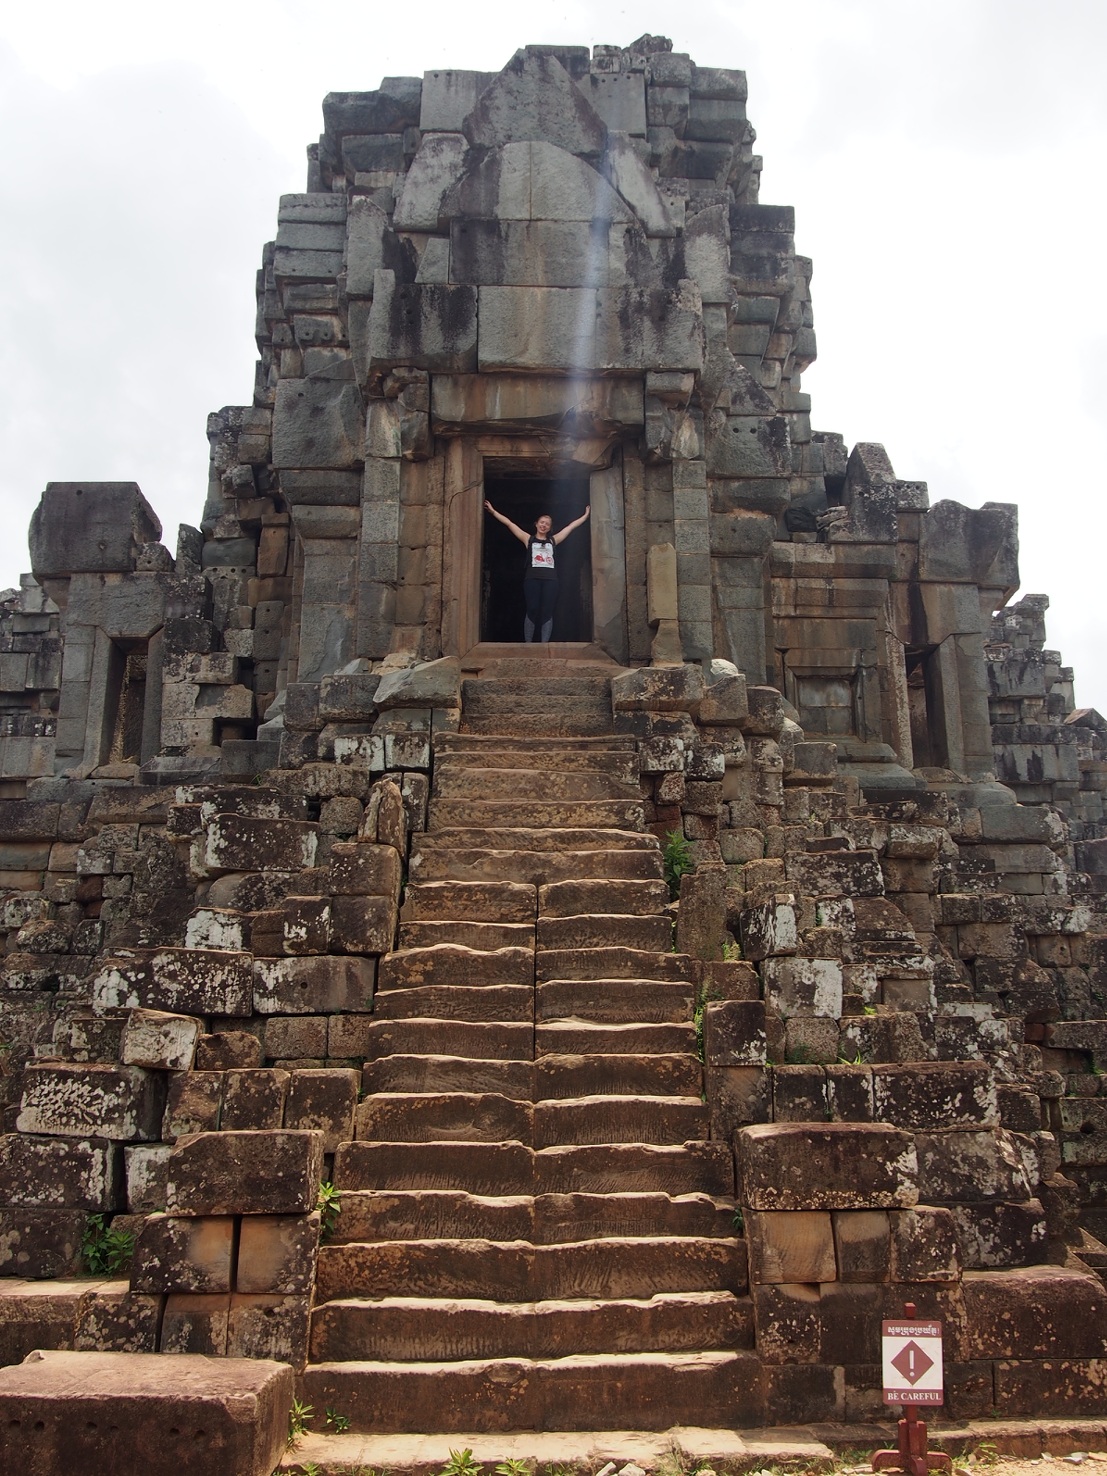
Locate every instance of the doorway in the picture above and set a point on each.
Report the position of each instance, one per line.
(504, 559)
(924, 706)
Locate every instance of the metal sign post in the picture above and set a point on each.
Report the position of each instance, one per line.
(912, 1363)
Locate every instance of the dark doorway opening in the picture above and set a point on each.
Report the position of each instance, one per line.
(504, 559)
(928, 743)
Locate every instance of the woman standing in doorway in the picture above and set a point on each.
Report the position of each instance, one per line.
(540, 580)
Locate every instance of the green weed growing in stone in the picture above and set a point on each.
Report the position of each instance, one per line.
(337, 1424)
(300, 1417)
(461, 1463)
(731, 951)
(105, 1250)
(329, 1205)
(514, 1468)
(676, 858)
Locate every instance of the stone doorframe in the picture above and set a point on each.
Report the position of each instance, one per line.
(468, 461)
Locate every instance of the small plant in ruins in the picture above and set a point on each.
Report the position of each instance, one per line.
(105, 1250)
(329, 1205)
(337, 1424)
(300, 1417)
(676, 858)
(731, 952)
(461, 1463)
(514, 1468)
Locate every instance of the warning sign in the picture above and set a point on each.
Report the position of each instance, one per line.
(912, 1357)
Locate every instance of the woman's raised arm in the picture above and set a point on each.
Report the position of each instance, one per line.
(568, 528)
(523, 538)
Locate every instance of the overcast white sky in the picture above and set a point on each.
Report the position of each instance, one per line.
(945, 159)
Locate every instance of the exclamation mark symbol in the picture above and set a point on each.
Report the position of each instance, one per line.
(911, 1362)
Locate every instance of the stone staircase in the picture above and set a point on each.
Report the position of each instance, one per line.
(536, 1232)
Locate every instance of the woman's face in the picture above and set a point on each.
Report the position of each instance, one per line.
(543, 526)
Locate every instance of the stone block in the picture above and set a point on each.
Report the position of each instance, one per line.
(995, 1235)
(114, 1318)
(961, 1166)
(862, 1245)
(245, 1173)
(1050, 1387)
(276, 1254)
(924, 1245)
(788, 1321)
(1034, 1312)
(836, 873)
(193, 1105)
(90, 528)
(184, 1254)
(769, 929)
(242, 842)
(323, 1100)
(49, 1172)
(808, 1166)
(195, 1323)
(159, 1040)
(269, 1327)
(41, 1242)
(803, 986)
(363, 924)
(183, 1415)
(312, 986)
(422, 325)
(931, 1095)
(734, 1035)
(120, 1103)
(204, 981)
(790, 1246)
(317, 423)
(146, 1167)
(227, 1049)
(253, 1099)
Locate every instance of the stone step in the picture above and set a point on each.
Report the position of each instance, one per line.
(506, 693)
(535, 813)
(580, 897)
(485, 936)
(583, 1038)
(515, 1270)
(602, 930)
(484, 902)
(442, 1073)
(513, 1168)
(490, 1003)
(532, 782)
(615, 1001)
(418, 1329)
(673, 1075)
(437, 1117)
(546, 1219)
(435, 1037)
(566, 759)
(617, 962)
(456, 745)
(586, 838)
(616, 1119)
(455, 963)
(614, 1391)
(492, 863)
(584, 720)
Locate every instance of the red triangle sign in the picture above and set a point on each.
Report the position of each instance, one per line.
(912, 1362)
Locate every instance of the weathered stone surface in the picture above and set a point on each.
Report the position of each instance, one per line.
(119, 1103)
(159, 1040)
(791, 1166)
(50, 1172)
(64, 1411)
(245, 1173)
(90, 527)
(201, 980)
(184, 1255)
(308, 986)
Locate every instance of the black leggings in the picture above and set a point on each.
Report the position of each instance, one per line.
(541, 597)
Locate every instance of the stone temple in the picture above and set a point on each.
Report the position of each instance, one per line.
(314, 872)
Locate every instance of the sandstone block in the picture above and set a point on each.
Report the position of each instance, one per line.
(246, 843)
(245, 1173)
(803, 986)
(996, 1235)
(734, 1034)
(120, 1103)
(935, 1094)
(788, 1321)
(312, 986)
(159, 1040)
(324, 1101)
(194, 1103)
(227, 1049)
(147, 1165)
(924, 1245)
(183, 1416)
(195, 1323)
(1034, 1312)
(362, 869)
(253, 1099)
(363, 924)
(193, 1254)
(41, 1242)
(960, 1166)
(269, 1327)
(114, 1318)
(862, 1245)
(276, 1254)
(789, 1166)
(49, 1172)
(794, 1245)
(189, 980)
